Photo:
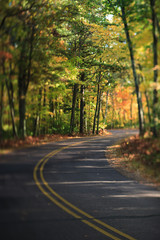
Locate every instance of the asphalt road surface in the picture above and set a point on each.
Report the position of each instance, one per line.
(68, 191)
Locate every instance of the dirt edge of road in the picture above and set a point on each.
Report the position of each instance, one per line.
(126, 168)
(10, 145)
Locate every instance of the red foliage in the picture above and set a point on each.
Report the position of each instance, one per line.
(5, 55)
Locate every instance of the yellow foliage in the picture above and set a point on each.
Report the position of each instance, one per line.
(155, 86)
(60, 59)
(157, 67)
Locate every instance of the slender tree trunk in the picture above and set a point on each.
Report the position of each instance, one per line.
(131, 112)
(44, 97)
(9, 87)
(1, 108)
(51, 108)
(96, 110)
(86, 123)
(36, 130)
(22, 111)
(72, 122)
(148, 108)
(89, 124)
(142, 109)
(22, 93)
(155, 63)
(157, 24)
(140, 112)
(113, 111)
(35, 125)
(106, 108)
(120, 119)
(30, 56)
(11, 104)
(77, 113)
(56, 108)
(44, 115)
(82, 104)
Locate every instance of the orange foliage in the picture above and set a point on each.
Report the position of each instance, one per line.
(5, 55)
(124, 103)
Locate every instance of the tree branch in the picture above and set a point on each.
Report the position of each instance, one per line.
(13, 13)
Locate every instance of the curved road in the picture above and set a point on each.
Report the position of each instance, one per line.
(68, 191)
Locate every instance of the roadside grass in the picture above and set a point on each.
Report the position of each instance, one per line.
(138, 158)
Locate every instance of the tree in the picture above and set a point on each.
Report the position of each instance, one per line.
(155, 63)
(122, 4)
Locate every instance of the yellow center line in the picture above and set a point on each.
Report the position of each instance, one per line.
(42, 162)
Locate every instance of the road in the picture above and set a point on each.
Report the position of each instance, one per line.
(68, 191)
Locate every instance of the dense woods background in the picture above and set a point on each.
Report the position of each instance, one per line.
(78, 66)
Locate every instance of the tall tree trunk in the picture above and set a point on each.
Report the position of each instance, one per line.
(140, 111)
(9, 87)
(96, 110)
(22, 93)
(25, 63)
(51, 107)
(106, 108)
(44, 108)
(22, 111)
(56, 109)
(44, 96)
(37, 122)
(1, 108)
(131, 112)
(113, 110)
(82, 104)
(72, 122)
(155, 63)
(11, 104)
(157, 24)
(148, 107)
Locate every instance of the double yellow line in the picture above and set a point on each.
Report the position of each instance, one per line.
(67, 206)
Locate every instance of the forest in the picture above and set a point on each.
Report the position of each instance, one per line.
(79, 66)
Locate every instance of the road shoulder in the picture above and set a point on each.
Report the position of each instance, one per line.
(123, 165)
